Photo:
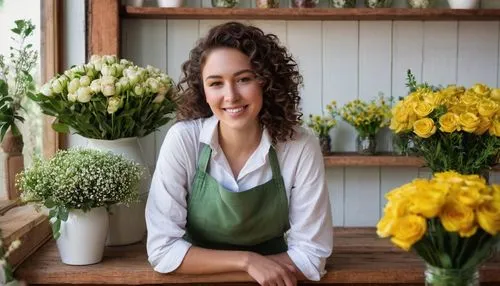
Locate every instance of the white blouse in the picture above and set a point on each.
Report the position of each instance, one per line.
(310, 238)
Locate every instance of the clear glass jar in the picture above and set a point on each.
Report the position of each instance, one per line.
(421, 3)
(224, 3)
(304, 3)
(366, 144)
(435, 276)
(267, 3)
(342, 3)
(378, 3)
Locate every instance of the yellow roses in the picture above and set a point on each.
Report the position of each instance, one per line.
(460, 203)
(451, 109)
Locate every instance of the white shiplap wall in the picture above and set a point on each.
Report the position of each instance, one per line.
(343, 60)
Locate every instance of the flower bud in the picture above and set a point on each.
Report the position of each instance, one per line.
(96, 85)
(72, 97)
(46, 89)
(56, 86)
(108, 89)
(74, 85)
(84, 81)
(153, 84)
(159, 98)
(138, 90)
(95, 58)
(113, 104)
(84, 94)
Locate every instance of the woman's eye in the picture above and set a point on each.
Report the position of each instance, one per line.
(245, 79)
(215, 83)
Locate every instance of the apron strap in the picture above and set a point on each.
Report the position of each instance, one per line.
(206, 152)
(275, 167)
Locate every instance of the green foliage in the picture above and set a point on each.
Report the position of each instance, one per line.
(16, 80)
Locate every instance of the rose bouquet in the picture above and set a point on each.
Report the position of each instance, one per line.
(451, 221)
(452, 128)
(109, 99)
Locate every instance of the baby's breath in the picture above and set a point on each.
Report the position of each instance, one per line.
(81, 179)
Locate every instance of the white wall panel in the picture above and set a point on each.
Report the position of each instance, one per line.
(440, 53)
(340, 75)
(362, 196)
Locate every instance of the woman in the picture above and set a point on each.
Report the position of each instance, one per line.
(237, 171)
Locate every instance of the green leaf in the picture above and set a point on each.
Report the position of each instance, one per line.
(63, 214)
(56, 227)
(15, 130)
(60, 127)
(3, 130)
(4, 88)
(49, 203)
(53, 213)
(16, 31)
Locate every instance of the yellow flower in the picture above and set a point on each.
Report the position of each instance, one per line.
(495, 129)
(448, 122)
(400, 112)
(481, 89)
(422, 109)
(484, 125)
(385, 226)
(495, 94)
(469, 98)
(424, 127)
(487, 108)
(428, 199)
(468, 121)
(457, 217)
(408, 230)
(488, 217)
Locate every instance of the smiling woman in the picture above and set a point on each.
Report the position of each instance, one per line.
(238, 172)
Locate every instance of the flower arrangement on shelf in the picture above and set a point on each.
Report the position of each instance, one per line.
(451, 221)
(321, 125)
(453, 128)
(366, 117)
(78, 186)
(109, 99)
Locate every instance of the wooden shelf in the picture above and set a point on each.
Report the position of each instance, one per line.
(382, 159)
(434, 14)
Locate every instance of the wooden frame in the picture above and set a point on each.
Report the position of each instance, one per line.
(51, 56)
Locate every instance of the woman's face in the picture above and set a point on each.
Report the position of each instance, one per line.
(232, 89)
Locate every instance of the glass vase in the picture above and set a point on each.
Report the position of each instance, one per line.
(342, 3)
(224, 3)
(325, 143)
(403, 145)
(304, 3)
(435, 276)
(267, 3)
(366, 144)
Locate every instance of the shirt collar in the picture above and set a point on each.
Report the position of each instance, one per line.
(210, 135)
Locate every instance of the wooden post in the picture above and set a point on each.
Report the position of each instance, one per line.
(104, 27)
(14, 162)
(51, 52)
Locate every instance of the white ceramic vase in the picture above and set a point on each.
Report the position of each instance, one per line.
(463, 4)
(83, 236)
(170, 3)
(136, 3)
(127, 224)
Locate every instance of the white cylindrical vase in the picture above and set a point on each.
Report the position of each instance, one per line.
(83, 236)
(127, 224)
(170, 3)
(463, 4)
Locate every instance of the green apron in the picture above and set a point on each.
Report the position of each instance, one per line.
(254, 220)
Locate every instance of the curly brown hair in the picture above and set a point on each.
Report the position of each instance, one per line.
(272, 64)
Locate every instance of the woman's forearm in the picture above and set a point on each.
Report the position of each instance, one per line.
(207, 261)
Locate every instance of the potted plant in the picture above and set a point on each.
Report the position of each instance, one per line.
(321, 125)
(452, 128)
(451, 221)
(367, 118)
(16, 82)
(77, 186)
(112, 103)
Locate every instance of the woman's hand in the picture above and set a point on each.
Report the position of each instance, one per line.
(268, 272)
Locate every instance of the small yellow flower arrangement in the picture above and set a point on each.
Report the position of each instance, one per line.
(321, 125)
(451, 221)
(366, 117)
(462, 123)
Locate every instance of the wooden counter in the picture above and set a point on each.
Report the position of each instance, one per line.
(359, 258)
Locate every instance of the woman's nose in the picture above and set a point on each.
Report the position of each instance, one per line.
(231, 93)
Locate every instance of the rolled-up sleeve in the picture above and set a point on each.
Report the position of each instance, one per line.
(310, 239)
(166, 205)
